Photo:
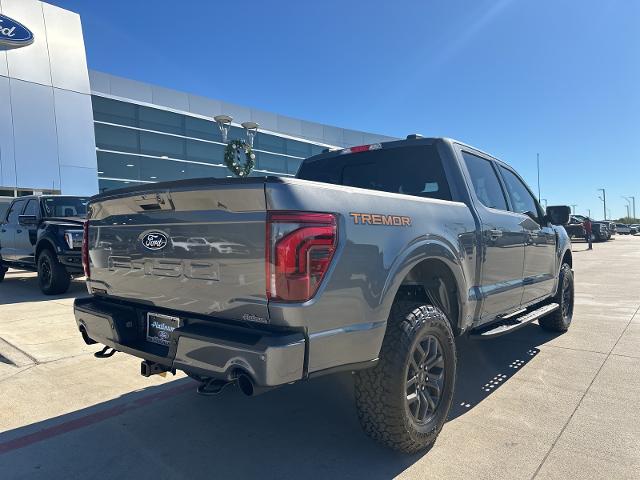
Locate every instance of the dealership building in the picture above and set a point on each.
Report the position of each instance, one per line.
(67, 129)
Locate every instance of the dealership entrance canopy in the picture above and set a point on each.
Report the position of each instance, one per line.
(66, 129)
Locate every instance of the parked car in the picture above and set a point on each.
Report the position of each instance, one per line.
(194, 246)
(623, 229)
(372, 261)
(225, 247)
(599, 230)
(44, 234)
(575, 229)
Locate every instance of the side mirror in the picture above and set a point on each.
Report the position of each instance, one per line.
(559, 214)
(27, 220)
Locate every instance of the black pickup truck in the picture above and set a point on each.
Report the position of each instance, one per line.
(44, 234)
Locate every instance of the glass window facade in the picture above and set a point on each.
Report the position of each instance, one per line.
(138, 144)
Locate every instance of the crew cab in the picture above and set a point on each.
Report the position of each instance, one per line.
(372, 260)
(44, 234)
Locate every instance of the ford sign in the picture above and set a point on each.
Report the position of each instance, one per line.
(13, 33)
(154, 241)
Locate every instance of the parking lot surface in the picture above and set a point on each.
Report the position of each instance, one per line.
(528, 405)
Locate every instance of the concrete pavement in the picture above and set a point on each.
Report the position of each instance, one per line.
(528, 405)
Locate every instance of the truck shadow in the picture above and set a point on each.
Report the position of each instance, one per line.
(485, 365)
(19, 287)
(307, 430)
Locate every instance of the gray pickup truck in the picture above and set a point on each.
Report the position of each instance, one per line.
(372, 260)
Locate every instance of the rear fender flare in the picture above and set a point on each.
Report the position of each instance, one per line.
(426, 249)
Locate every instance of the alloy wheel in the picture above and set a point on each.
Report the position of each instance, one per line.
(45, 272)
(425, 379)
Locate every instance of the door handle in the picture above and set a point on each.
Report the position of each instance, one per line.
(495, 234)
(18, 231)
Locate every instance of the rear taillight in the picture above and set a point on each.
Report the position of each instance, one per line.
(299, 250)
(85, 249)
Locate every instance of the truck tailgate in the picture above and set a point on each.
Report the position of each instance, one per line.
(194, 246)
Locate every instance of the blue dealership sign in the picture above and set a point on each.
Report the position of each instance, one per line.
(13, 33)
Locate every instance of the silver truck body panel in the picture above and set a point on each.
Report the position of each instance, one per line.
(188, 274)
(370, 263)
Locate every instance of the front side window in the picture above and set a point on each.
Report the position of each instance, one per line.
(31, 208)
(521, 199)
(485, 181)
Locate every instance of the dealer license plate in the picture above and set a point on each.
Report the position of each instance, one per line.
(159, 327)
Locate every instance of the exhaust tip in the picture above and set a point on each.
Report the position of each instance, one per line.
(246, 385)
(85, 336)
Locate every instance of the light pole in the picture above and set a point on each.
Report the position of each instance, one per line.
(604, 201)
(589, 210)
(633, 200)
(628, 205)
(573, 208)
(544, 200)
(224, 122)
(251, 128)
(538, 165)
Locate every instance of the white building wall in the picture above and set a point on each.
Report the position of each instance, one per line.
(46, 120)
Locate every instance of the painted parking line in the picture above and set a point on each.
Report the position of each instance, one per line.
(91, 419)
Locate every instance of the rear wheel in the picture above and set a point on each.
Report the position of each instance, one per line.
(404, 400)
(53, 277)
(560, 320)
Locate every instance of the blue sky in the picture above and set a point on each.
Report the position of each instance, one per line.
(512, 77)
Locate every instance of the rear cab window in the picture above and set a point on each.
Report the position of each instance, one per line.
(415, 170)
(65, 206)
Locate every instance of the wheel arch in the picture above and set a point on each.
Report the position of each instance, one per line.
(44, 243)
(567, 257)
(431, 272)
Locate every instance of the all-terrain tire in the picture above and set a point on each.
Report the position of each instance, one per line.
(53, 277)
(560, 320)
(381, 395)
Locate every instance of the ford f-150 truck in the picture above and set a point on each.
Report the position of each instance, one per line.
(43, 233)
(372, 260)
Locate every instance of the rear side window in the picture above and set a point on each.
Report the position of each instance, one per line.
(414, 171)
(15, 211)
(485, 181)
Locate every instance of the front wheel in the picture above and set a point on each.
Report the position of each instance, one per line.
(53, 277)
(404, 400)
(560, 320)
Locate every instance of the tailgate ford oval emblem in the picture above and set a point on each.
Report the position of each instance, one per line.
(154, 241)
